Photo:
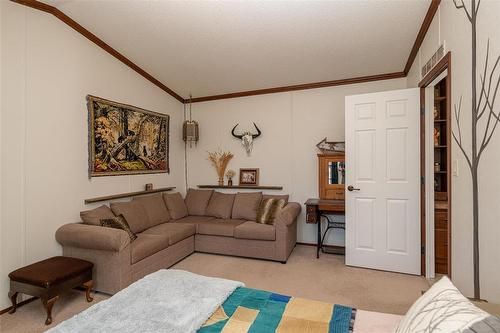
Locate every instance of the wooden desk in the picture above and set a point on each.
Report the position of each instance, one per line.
(315, 208)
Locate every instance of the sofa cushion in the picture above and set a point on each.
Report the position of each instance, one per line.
(146, 245)
(175, 205)
(269, 209)
(155, 208)
(175, 231)
(197, 201)
(276, 196)
(246, 205)
(254, 230)
(134, 213)
(94, 216)
(194, 220)
(220, 205)
(218, 227)
(119, 222)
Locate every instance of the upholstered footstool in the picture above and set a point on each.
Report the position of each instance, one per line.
(49, 278)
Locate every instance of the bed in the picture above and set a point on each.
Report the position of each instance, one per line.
(177, 301)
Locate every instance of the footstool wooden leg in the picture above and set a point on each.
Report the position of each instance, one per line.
(88, 287)
(13, 299)
(48, 304)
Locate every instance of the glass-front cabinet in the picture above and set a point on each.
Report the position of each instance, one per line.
(331, 176)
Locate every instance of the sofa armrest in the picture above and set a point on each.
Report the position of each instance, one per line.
(92, 237)
(288, 215)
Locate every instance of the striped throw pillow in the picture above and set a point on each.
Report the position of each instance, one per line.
(119, 222)
(269, 209)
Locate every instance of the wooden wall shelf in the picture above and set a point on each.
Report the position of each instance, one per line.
(126, 195)
(245, 187)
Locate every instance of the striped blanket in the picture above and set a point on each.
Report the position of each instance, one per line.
(258, 311)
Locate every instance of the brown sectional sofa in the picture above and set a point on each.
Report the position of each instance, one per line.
(169, 228)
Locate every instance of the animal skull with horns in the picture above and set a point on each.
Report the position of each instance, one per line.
(246, 138)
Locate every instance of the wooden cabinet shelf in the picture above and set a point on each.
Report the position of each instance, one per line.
(442, 180)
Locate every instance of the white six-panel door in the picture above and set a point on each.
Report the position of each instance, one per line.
(383, 181)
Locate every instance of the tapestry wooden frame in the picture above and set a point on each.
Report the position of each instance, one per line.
(156, 165)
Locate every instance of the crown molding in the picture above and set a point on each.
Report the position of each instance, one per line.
(429, 16)
(431, 12)
(361, 79)
(99, 42)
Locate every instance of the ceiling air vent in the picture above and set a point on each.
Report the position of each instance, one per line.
(433, 60)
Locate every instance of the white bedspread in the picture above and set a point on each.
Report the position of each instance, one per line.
(375, 322)
(167, 301)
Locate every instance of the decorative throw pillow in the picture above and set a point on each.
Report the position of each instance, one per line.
(444, 309)
(95, 215)
(197, 201)
(175, 205)
(246, 205)
(220, 205)
(276, 196)
(269, 209)
(119, 222)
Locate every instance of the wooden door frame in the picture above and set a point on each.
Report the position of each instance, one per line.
(442, 65)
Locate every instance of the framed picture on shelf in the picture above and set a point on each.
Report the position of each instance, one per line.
(249, 177)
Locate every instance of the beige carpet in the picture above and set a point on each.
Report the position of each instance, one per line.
(326, 279)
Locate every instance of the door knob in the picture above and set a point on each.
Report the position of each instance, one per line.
(352, 188)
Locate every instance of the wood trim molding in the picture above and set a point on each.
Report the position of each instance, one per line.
(441, 66)
(93, 38)
(99, 42)
(421, 34)
(361, 79)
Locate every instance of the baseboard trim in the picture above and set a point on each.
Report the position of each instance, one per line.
(26, 301)
(328, 246)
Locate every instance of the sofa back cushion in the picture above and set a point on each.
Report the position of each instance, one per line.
(94, 216)
(155, 208)
(135, 214)
(276, 196)
(220, 205)
(269, 209)
(175, 205)
(246, 205)
(197, 201)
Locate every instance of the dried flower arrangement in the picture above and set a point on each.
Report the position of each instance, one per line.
(220, 159)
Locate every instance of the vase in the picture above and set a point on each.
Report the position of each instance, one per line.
(230, 182)
(221, 182)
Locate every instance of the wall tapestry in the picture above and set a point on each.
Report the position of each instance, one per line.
(485, 118)
(125, 139)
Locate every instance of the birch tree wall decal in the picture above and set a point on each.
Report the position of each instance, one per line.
(484, 122)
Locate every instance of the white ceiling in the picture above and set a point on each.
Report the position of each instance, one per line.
(215, 47)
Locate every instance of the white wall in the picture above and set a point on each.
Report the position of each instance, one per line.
(47, 70)
(452, 27)
(292, 124)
